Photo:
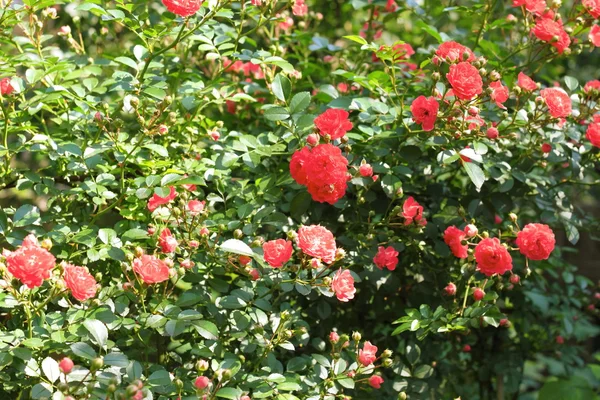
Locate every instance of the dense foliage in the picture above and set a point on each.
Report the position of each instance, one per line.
(297, 199)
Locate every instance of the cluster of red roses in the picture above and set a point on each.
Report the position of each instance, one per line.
(317, 242)
(32, 264)
(323, 169)
(534, 241)
(467, 85)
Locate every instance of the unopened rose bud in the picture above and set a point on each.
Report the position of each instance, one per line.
(238, 234)
(513, 217)
(46, 244)
(97, 363)
(163, 129)
(387, 362)
(138, 251)
(312, 139)
(201, 365)
(356, 336)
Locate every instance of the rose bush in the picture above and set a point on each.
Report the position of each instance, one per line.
(290, 199)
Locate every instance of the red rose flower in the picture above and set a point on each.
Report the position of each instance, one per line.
(424, 111)
(526, 83)
(391, 6)
(31, 263)
(453, 238)
(546, 29)
(183, 8)
(558, 102)
(333, 122)
(413, 212)
(156, 201)
(592, 85)
(324, 171)
(277, 252)
(300, 8)
(6, 87)
(80, 282)
(465, 80)
(402, 51)
(593, 134)
(386, 258)
(151, 269)
(546, 148)
(343, 285)
(536, 241)
(499, 94)
(593, 7)
(453, 52)
(167, 241)
(368, 354)
(317, 241)
(595, 35)
(492, 258)
(536, 7)
(299, 159)
(375, 381)
(195, 207)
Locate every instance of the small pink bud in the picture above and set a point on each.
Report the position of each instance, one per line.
(478, 294)
(194, 243)
(64, 30)
(187, 263)
(492, 133)
(497, 219)
(466, 348)
(450, 289)
(245, 260)
(151, 230)
(312, 139)
(366, 170)
(255, 274)
(515, 279)
(66, 365)
(471, 230)
(560, 340)
(215, 135)
(504, 322)
(204, 231)
(546, 148)
(163, 130)
(334, 337)
(201, 382)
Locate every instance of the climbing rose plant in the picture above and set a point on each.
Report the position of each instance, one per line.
(275, 199)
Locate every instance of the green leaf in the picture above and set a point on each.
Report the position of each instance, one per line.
(300, 102)
(27, 215)
(281, 87)
(276, 114)
(127, 61)
(237, 247)
(475, 173)
(206, 329)
(50, 369)
(135, 234)
(430, 29)
(159, 378)
(229, 393)
(83, 350)
(98, 331)
(571, 83)
(158, 149)
(357, 39)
